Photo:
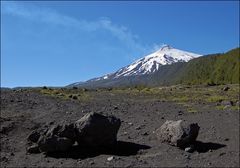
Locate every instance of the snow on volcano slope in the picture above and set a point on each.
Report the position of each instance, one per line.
(151, 63)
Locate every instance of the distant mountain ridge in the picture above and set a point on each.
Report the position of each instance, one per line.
(209, 69)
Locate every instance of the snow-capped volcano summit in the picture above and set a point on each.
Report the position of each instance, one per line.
(151, 63)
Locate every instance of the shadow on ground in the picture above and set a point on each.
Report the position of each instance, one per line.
(203, 147)
(122, 149)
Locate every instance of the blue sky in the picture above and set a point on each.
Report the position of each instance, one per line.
(58, 43)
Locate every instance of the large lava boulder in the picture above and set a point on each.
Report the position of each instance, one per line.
(92, 130)
(54, 144)
(36, 134)
(52, 138)
(57, 138)
(96, 130)
(178, 133)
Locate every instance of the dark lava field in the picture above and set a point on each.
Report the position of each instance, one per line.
(141, 110)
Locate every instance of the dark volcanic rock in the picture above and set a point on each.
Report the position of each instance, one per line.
(180, 112)
(96, 130)
(34, 136)
(57, 138)
(75, 97)
(226, 88)
(33, 149)
(92, 130)
(227, 103)
(54, 143)
(177, 133)
(64, 130)
(52, 138)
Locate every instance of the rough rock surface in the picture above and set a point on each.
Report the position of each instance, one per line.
(54, 144)
(92, 130)
(96, 130)
(64, 130)
(33, 149)
(178, 133)
(36, 134)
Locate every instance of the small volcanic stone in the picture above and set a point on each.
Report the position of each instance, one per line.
(180, 112)
(138, 127)
(227, 103)
(226, 88)
(145, 133)
(110, 158)
(75, 97)
(221, 154)
(189, 149)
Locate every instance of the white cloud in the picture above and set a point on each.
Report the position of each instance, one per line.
(156, 47)
(50, 16)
